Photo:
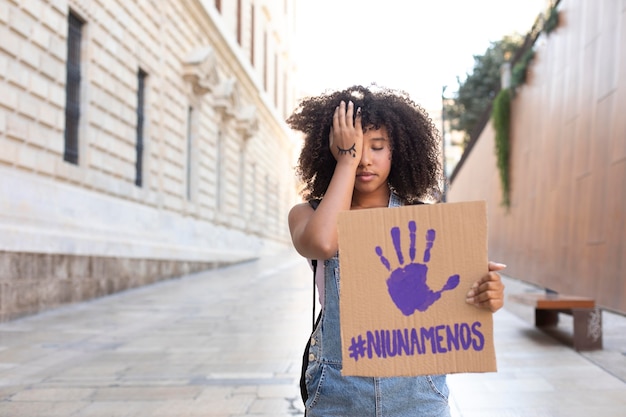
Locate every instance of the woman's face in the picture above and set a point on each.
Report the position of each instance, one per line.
(373, 171)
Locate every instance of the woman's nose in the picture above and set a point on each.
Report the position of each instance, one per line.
(365, 157)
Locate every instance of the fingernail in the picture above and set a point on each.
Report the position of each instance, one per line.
(470, 294)
(469, 300)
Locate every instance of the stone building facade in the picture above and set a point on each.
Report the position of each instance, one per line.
(139, 140)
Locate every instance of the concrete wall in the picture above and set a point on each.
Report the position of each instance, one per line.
(566, 227)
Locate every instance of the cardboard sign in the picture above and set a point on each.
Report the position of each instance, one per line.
(405, 273)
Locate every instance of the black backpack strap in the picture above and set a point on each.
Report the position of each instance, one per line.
(314, 204)
(305, 356)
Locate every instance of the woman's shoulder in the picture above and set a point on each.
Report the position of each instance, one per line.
(301, 209)
(307, 204)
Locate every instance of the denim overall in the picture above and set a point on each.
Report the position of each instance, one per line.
(334, 395)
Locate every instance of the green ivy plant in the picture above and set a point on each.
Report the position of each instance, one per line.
(501, 115)
(501, 107)
(518, 73)
(552, 19)
(501, 110)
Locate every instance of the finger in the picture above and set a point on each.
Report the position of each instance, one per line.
(490, 282)
(342, 114)
(336, 117)
(357, 121)
(350, 114)
(489, 300)
(493, 289)
(495, 266)
(492, 276)
(492, 305)
(487, 296)
(330, 138)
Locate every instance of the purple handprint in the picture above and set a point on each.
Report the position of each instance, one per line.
(407, 285)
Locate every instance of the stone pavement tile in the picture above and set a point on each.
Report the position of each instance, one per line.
(596, 410)
(278, 391)
(53, 394)
(513, 411)
(86, 370)
(245, 389)
(271, 406)
(39, 408)
(285, 394)
(118, 409)
(588, 383)
(224, 399)
(146, 393)
(542, 405)
(18, 354)
(219, 406)
(8, 390)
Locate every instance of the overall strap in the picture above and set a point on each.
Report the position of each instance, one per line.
(314, 263)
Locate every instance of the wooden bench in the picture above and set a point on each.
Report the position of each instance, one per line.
(587, 318)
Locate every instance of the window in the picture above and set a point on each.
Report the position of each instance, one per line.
(285, 98)
(141, 86)
(239, 25)
(242, 179)
(268, 193)
(219, 170)
(252, 34)
(253, 191)
(275, 80)
(265, 61)
(72, 88)
(190, 123)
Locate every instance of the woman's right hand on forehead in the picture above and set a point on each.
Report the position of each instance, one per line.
(346, 134)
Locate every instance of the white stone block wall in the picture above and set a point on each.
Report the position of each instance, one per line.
(94, 208)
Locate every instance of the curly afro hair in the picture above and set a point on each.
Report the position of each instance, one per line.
(416, 172)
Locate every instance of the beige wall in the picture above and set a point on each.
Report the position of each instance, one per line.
(239, 197)
(566, 228)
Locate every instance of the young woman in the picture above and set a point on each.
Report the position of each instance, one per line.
(365, 148)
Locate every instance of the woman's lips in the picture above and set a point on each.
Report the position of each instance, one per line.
(365, 176)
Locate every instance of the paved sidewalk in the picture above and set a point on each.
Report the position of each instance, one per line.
(229, 342)
(537, 376)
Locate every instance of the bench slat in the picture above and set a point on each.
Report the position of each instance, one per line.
(553, 301)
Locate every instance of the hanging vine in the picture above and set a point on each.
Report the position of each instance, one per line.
(501, 115)
(518, 73)
(501, 110)
(552, 20)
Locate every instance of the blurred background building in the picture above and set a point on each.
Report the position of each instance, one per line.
(139, 140)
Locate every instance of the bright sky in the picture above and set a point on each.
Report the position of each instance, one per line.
(414, 45)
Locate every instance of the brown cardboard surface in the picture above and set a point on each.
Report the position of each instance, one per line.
(402, 303)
